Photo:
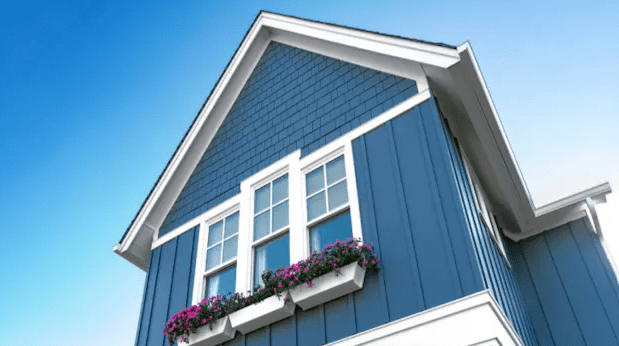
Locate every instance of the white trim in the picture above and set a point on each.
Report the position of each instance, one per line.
(474, 320)
(397, 56)
(287, 165)
(463, 92)
(212, 216)
(340, 147)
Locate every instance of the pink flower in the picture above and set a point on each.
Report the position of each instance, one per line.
(204, 320)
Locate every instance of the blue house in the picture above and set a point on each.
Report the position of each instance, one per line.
(316, 132)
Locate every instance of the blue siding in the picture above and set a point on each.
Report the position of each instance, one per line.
(496, 275)
(569, 289)
(168, 286)
(294, 99)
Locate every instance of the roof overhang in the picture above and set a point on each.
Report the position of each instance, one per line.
(451, 72)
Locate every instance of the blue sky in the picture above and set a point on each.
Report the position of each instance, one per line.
(95, 97)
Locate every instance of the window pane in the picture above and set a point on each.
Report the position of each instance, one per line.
(221, 283)
(262, 225)
(335, 170)
(213, 257)
(230, 248)
(263, 199)
(328, 232)
(314, 181)
(280, 216)
(280, 189)
(338, 195)
(271, 256)
(214, 233)
(232, 225)
(316, 206)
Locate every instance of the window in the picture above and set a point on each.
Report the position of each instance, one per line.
(220, 266)
(283, 212)
(326, 195)
(270, 245)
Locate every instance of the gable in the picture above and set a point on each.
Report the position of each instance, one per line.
(294, 99)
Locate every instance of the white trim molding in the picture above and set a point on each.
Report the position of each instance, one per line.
(475, 320)
(455, 79)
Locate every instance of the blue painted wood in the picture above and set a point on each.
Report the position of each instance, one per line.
(293, 99)
(455, 218)
(371, 307)
(496, 276)
(161, 297)
(259, 337)
(147, 298)
(284, 332)
(529, 293)
(580, 289)
(551, 291)
(195, 232)
(398, 257)
(182, 275)
(311, 327)
(340, 318)
(439, 277)
(604, 281)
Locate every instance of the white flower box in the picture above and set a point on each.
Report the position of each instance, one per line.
(261, 314)
(329, 286)
(213, 333)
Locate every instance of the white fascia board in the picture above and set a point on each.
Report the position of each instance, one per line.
(498, 158)
(424, 53)
(473, 320)
(318, 37)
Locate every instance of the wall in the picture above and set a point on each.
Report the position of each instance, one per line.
(497, 277)
(168, 286)
(293, 99)
(569, 287)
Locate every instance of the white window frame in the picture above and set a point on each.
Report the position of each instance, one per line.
(206, 220)
(245, 256)
(316, 159)
(298, 227)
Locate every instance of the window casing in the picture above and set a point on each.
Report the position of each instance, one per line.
(274, 226)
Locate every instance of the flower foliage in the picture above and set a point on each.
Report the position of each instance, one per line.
(277, 282)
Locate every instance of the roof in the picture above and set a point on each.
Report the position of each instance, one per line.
(452, 73)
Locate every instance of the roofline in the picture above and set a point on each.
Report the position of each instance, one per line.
(392, 54)
(269, 27)
(548, 216)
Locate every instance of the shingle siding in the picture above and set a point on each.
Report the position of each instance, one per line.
(293, 99)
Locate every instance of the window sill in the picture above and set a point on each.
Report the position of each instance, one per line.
(213, 334)
(329, 286)
(261, 314)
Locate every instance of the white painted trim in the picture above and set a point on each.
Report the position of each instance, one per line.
(287, 165)
(474, 320)
(340, 147)
(212, 216)
(463, 91)
(393, 55)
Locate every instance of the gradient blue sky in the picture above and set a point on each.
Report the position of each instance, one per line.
(95, 97)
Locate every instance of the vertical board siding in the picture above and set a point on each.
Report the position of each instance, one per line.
(293, 100)
(147, 304)
(168, 287)
(496, 274)
(568, 289)
(405, 216)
